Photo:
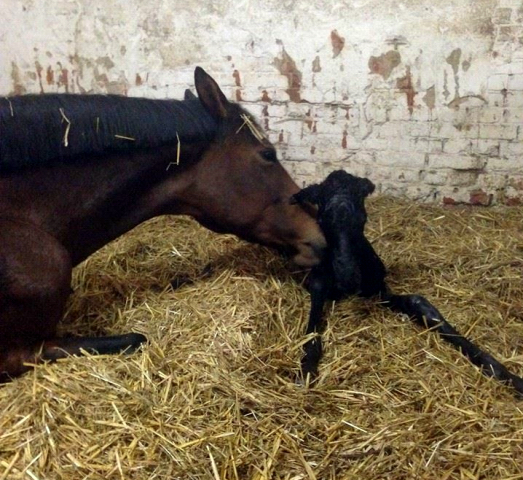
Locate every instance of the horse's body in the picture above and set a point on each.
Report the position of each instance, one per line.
(78, 171)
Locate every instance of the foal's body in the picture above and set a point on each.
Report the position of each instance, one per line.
(351, 266)
(70, 186)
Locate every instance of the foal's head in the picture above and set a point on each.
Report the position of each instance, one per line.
(240, 187)
(342, 216)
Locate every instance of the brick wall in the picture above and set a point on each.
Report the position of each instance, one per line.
(423, 97)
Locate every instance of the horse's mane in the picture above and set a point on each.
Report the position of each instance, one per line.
(43, 129)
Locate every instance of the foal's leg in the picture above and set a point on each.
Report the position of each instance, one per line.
(425, 314)
(318, 288)
(35, 276)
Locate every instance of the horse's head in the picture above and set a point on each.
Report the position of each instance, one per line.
(240, 187)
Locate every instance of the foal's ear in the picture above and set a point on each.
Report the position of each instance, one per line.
(310, 194)
(366, 186)
(210, 95)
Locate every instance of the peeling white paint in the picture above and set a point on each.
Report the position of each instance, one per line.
(408, 93)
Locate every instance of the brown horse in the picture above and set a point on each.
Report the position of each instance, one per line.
(77, 171)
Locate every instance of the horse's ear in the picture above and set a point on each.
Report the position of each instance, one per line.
(188, 95)
(210, 95)
(310, 194)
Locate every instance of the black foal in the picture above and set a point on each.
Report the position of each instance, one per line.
(351, 266)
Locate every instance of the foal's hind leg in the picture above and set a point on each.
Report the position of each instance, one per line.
(35, 276)
(425, 314)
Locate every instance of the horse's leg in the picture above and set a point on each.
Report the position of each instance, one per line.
(425, 314)
(19, 355)
(318, 288)
(35, 276)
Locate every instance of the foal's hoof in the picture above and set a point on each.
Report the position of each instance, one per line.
(127, 343)
(305, 380)
(134, 341)
(181, 281)
(517, 384)
(309, 372)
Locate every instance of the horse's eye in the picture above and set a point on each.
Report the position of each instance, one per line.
(269, 155)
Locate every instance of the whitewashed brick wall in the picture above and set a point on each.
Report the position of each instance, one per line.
(424, 97)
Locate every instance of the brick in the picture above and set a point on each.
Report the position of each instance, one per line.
(389, 129)
(515, 99)
(421, 113)
(277, 111)
(514, 201)
(445, 129)
(515, 82)
(480, 197)
(490, 148)
(513, 115)
(378, 115)
(423, 144)
(435, 177)
(509, 3)
(516, 183)
(399, 112)
(306, 168)
(374, 143)
(353, 143)
(407, 175)
(491, 115)
(512, 149)
(383, 175)
(502, 16)
(490, 182)
(300, 153)
(498, 82)
(458, 178)
(498, 132)
(502, 165)
(507, 33)
(422, 193)
(457, 145)
(398, 144)
(399, 159)
(456, 162)
(498, 99)
(418, 129)
(470, 130)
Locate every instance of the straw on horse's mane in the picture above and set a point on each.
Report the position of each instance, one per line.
(43, 129)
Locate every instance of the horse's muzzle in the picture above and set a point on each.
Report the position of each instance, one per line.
(310, 252)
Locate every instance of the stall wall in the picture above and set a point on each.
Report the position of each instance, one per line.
(424, 97)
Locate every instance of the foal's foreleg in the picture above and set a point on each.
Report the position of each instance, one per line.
(425, 314)
(318, 287)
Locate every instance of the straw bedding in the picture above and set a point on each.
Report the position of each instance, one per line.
(213, 396)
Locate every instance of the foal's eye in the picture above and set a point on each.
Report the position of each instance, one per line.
(269, 155)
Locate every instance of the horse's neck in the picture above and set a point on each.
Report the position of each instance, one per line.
(86, 205)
